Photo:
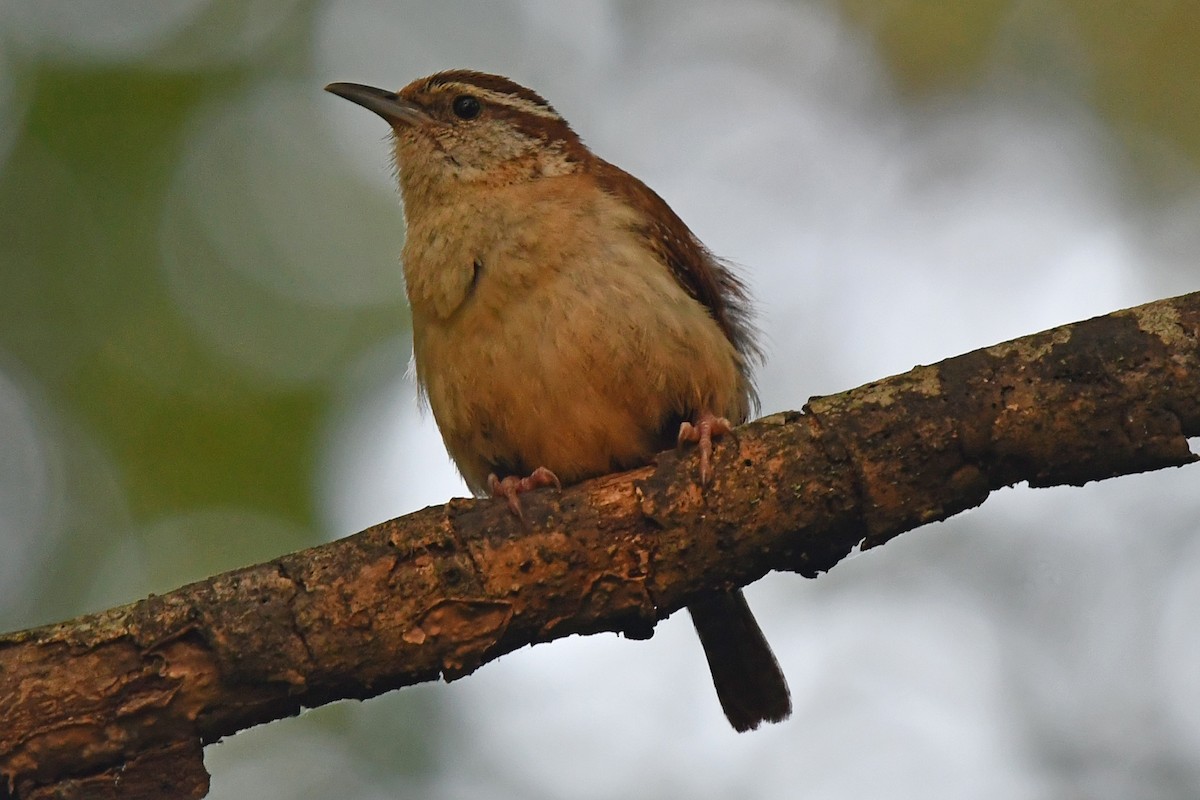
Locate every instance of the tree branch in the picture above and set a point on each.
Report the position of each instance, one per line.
(119, 704)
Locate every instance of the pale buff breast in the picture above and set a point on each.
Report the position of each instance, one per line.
(578, 352)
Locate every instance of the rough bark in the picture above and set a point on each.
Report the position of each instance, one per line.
(119, 704)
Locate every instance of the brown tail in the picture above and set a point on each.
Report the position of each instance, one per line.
(749, 683)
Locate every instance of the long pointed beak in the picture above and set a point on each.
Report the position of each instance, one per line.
(388, 105)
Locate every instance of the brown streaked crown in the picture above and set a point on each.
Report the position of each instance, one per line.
(501, 101)
(495, 84)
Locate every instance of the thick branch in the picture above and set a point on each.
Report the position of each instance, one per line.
(100, 700)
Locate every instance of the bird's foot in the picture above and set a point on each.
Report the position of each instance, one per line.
(706, 427)
(512, 487)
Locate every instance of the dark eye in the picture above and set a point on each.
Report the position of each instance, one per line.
(466, 106)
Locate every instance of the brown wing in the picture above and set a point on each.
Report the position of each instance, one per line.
(705, 277)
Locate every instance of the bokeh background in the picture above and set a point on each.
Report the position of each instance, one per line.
(204, 340)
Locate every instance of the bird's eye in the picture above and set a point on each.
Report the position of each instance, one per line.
(466, 107)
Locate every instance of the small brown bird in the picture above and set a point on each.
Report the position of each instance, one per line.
(566, 323)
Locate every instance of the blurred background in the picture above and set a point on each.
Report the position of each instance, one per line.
(204, 340)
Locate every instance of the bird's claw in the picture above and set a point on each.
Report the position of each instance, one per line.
(512, 487)
(706, 427)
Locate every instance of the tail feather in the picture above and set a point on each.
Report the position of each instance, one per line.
(749, 683)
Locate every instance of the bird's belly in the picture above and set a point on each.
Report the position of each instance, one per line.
(578, 353)
(542, 386)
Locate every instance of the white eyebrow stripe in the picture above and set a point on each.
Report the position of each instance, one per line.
(505, 99)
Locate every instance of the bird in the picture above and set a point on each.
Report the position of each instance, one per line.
(566, 322)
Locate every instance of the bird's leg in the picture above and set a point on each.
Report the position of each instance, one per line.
(512, 487)
(702, 431)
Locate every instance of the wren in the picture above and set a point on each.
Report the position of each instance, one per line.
(566, 322)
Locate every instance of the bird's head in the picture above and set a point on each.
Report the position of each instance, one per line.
(460, 128)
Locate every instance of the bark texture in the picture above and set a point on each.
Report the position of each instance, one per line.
(119, 704)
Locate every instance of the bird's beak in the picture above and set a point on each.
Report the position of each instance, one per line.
(388, 105)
